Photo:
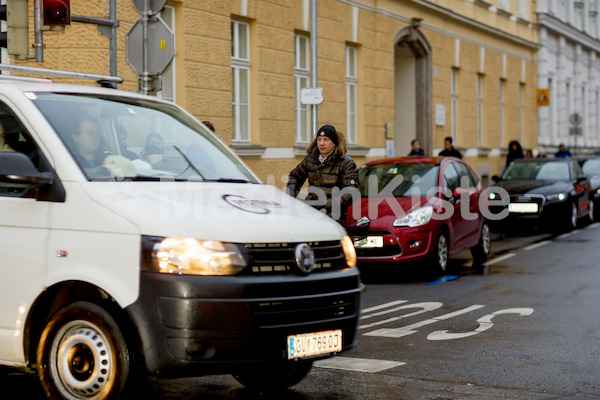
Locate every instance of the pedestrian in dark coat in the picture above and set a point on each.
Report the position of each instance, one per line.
(449, 149)
(514, 151)
(563, 152)
(326, 166)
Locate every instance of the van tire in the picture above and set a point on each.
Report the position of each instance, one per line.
(82, 354)
(273, 378)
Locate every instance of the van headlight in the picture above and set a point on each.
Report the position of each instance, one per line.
(418, 217)
(189, 256)
(349, 251)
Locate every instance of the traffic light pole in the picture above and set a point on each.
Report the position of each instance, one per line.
(38, 44)
(108, 27)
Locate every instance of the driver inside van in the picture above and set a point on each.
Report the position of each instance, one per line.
(87, 144)
(3, 145)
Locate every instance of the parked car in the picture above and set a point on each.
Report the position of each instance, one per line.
(591, 168)
(422, 212)
(545, 191)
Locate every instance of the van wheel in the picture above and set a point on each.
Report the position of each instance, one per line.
(273, 378)
(481, 250)
(82, 354)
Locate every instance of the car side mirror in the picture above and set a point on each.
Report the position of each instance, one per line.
(496, 178)
(17, 171)
(456, 193)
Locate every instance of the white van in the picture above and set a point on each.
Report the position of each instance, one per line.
(134, 242)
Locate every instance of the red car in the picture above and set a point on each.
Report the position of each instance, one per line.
(420, 209)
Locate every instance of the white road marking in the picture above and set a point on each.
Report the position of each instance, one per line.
(409, 329)
(357, 364)
(566, 235)
(536, 245)
(484, 322)
(385, 305)
(501, 258)
(428, 306)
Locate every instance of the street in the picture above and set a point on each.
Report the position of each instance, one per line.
(525, 327)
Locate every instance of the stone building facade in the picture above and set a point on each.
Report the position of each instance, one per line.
(569, 66)
(390, 71)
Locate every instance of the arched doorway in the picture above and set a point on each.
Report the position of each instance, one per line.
(412, 90)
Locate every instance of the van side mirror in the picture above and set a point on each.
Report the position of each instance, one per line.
(17, 170)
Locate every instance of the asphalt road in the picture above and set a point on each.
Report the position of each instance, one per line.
(526, 327)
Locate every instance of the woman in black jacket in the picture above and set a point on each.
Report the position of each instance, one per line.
(514, 151)
(326, 167)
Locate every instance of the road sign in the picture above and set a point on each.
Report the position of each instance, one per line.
(154, 5)
(161, 47)
(311, 95)
(543, 97)
(575, 131)
(575, 119)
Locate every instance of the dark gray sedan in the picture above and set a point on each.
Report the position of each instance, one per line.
(550, 191)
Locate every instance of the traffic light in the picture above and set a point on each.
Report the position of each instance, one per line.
(56, 12)
(16, 37)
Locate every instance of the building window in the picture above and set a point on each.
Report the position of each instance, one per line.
(240, 75)
(504, 5)
(454, 104)
(479, 110)
(501, 113)
(584, 111)
(167, 91)
(597, 127)
(569, 107)
(524, 9)
(580, 18)
(301, 75)
(351, 123)
(521, 112)
(552, 117)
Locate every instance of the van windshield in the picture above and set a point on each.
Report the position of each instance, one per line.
(114, 137)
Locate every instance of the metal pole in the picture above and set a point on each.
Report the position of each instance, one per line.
(145, 79)
(313, 61)
(38, 35)
(113, 39)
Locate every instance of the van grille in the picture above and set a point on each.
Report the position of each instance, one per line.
(280, 258)
(280, 313)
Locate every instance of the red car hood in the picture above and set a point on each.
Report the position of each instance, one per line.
(401, 205)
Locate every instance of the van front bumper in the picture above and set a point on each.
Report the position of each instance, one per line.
(199, 325)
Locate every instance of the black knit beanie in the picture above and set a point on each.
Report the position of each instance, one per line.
(330, 132)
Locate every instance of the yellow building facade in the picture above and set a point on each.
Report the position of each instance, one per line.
(390, 70)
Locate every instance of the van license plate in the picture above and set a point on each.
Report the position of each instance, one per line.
(314, 344)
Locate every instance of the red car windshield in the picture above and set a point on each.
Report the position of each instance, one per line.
(416, 180)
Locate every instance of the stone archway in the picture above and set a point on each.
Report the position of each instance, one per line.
(413, 109)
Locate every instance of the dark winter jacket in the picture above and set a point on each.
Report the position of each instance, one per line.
(338, 170)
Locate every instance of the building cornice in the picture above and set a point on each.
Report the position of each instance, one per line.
(554, 24)
(449, 14)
